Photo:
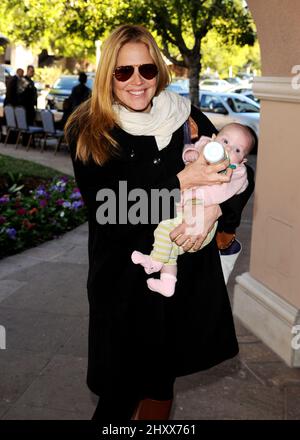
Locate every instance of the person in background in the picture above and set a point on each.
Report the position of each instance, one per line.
(15, 88)
(80, 93)
(28, 98)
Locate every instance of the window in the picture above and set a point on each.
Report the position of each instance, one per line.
(241, 105)
(212, 104)
(210, 83)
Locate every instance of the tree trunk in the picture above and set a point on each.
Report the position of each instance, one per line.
(194, 76)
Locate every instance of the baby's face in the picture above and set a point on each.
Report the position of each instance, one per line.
(236, 143)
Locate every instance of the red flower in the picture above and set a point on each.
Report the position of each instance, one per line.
(21, 211)
(27, 224)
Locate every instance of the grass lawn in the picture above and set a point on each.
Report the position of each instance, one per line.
(25, 168)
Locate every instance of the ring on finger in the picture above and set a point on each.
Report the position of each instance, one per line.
(196, 247)
(177, 236)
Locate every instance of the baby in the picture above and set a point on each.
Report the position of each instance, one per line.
(237, 141)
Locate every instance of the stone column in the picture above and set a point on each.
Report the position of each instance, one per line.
(267, 299)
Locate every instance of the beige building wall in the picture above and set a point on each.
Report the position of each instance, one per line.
(278, 23)
(275, 244)
(267, 299)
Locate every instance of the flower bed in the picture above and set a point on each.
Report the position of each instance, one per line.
(30, 218)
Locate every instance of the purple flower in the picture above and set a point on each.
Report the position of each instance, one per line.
(43, 203)
(59, 186)
(11, 232)
(66, 205)
(4, 199)
(2, 219)
(75, 195)
(77, 204)
(60, 202)
(41, 192)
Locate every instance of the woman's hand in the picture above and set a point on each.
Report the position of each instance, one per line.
(200, 173)
(191, 236)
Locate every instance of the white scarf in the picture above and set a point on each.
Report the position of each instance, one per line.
(169, 111)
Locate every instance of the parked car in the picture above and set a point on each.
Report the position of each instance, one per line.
(2, 88)
(223, 108)
(234, 81)
(245, 78)
(246, 91)
(62, 89)
(177, 89)
(215, 85)
(6, 72)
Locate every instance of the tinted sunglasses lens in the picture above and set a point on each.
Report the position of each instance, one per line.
(123, 73)
(148, 71)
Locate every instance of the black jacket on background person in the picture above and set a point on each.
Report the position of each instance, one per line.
(135, 333)
(28, 99)
(79, 94)
(12, 97)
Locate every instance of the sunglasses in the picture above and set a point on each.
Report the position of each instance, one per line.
(147, 71)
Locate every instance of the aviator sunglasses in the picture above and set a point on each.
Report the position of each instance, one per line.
(147, 71)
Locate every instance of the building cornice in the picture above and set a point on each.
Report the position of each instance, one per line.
(277, 88)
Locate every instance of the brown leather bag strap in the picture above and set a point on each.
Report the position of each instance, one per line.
(193, 128)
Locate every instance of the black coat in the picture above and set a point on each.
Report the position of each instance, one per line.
(12, 97)
(134, 332)
(79, 94)
(28, 99)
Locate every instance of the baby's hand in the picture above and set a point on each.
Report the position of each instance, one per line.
(190, 155)
(200, 144)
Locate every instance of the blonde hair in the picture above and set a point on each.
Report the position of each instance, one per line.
(93, 121)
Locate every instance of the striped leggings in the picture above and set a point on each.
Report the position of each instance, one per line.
(164, 250)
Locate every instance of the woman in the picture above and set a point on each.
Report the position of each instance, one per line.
(132, 131)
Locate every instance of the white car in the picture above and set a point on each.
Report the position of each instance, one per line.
(215, 85)
(246, 91)
(177, 88)
(2, 88)
(223, 108)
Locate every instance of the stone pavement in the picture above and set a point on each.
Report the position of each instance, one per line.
(59, 162)
(43, 307)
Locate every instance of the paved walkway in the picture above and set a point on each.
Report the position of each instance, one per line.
(60, 161)
(43, 307)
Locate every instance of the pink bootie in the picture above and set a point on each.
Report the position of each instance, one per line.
(165, 285)
(147, 262)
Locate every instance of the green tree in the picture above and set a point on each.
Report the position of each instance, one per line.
(184, 25)
(47, 24)
(219, 56)
(181, 26)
